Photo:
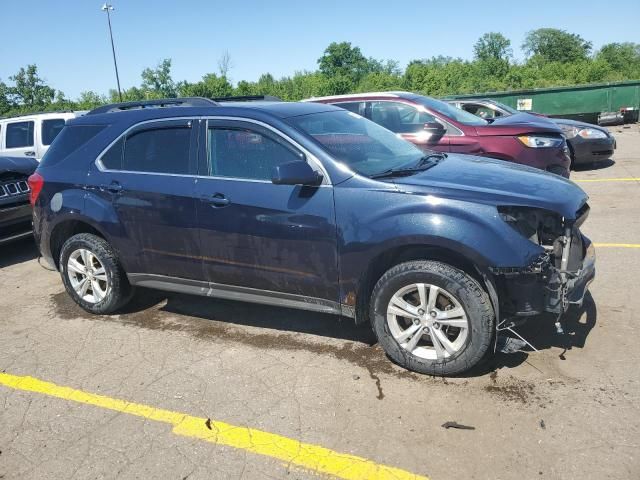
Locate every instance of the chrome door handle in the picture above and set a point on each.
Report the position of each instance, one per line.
(30, 153)
(217, 200)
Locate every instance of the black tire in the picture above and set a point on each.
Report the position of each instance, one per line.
(119, 291)
(471, 296)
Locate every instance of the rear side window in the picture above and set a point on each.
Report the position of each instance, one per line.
(19, 134)
(50, 129)
(70, 139)
(158, 150)
(399, 117)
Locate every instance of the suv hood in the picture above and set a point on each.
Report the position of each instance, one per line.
(519, 124)
(23, 165)
(496, 182)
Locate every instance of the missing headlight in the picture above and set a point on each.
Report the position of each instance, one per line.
(541, 227)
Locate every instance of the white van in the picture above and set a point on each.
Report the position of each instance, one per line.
(31, 135)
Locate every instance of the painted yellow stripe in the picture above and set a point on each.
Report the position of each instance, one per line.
(594, 180)
(293, 452)
(616, 245)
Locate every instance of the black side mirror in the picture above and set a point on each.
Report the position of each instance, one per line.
(435, 128)
(295, 173)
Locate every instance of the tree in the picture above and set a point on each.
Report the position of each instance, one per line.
(344, 61)
(621, 56)
(225, 64)
(157, 83)
(554, 45)
(493, 46)
(5, 103)
(89, 100)
(210, 86)
(29, 89)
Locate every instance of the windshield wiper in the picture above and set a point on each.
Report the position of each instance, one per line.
(424, 163)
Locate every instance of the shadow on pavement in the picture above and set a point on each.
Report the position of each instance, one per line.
(600, 165)
(542, 334)
(17, 252)
(254, 315)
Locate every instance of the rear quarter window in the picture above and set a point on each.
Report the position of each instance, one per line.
(70, 139)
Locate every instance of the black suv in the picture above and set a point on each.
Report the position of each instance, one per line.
(15, 212)
(313, 207)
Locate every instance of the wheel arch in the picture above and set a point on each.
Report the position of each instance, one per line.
(67, 228)
(406, 253)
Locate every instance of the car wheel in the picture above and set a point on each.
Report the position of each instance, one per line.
(92, 274)
(432, 318)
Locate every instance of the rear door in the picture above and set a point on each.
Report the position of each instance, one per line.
(255, 234)
(149, 177)
(19, 138)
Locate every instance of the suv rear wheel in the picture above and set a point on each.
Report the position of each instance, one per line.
(432, 318)
(92, 274)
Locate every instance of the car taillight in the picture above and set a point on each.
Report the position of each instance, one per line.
(36, 182)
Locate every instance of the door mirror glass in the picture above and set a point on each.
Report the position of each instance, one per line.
(295, 173)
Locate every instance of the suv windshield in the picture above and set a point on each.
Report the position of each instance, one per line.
(452, 112)
(364, 146)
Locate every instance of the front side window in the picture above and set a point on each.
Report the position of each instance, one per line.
(157, 150)
(364, 146)
(399, 117)
(449, 111)
(19, 134)
(481, 111)
(244, 153)
(50, 129)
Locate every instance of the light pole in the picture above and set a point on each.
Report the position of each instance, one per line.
(108, 8)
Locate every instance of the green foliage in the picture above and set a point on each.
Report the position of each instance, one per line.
(554, 45)
(157, 82)
(555, 58)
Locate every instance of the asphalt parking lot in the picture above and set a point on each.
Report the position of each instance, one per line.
(182, 387)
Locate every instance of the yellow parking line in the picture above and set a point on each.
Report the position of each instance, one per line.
(593, 180)
(616, 245)
(305, 455)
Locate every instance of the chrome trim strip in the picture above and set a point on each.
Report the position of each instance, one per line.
(326, 181)
(232, 292)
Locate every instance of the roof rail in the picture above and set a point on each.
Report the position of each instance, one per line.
(162, 102)
(248, 98)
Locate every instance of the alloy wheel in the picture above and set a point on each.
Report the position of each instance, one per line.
(427, 321)
(87, 275)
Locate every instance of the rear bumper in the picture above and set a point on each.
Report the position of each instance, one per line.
(589, 151)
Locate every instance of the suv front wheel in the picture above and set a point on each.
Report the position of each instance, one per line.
(92, 274)
(432, 318)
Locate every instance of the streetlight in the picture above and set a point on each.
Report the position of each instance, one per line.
(108, 8)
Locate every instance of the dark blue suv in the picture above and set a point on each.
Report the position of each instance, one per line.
(309, 206)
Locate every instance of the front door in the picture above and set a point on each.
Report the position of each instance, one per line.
(149, 177)
(409, 122)
(258, 235)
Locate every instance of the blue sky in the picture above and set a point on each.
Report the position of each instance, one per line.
(68, 39)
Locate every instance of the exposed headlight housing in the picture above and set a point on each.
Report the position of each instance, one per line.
(540, 226)
(540, 141)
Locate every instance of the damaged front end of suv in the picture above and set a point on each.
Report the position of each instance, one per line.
(559, 276)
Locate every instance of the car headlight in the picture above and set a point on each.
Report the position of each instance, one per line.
(569, 130)
(591, 133)
(537, 141)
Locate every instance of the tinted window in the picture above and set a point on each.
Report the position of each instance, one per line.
(68, 141)
(242, 153)
(160, 150)
(112, 159)
(399, 117)
(19, 134)
(355, 107)
(51, 129)
(481, 111)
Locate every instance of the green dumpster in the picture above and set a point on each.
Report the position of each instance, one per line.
(580, 102)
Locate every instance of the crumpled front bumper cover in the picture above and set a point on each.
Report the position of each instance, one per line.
(577, 287)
